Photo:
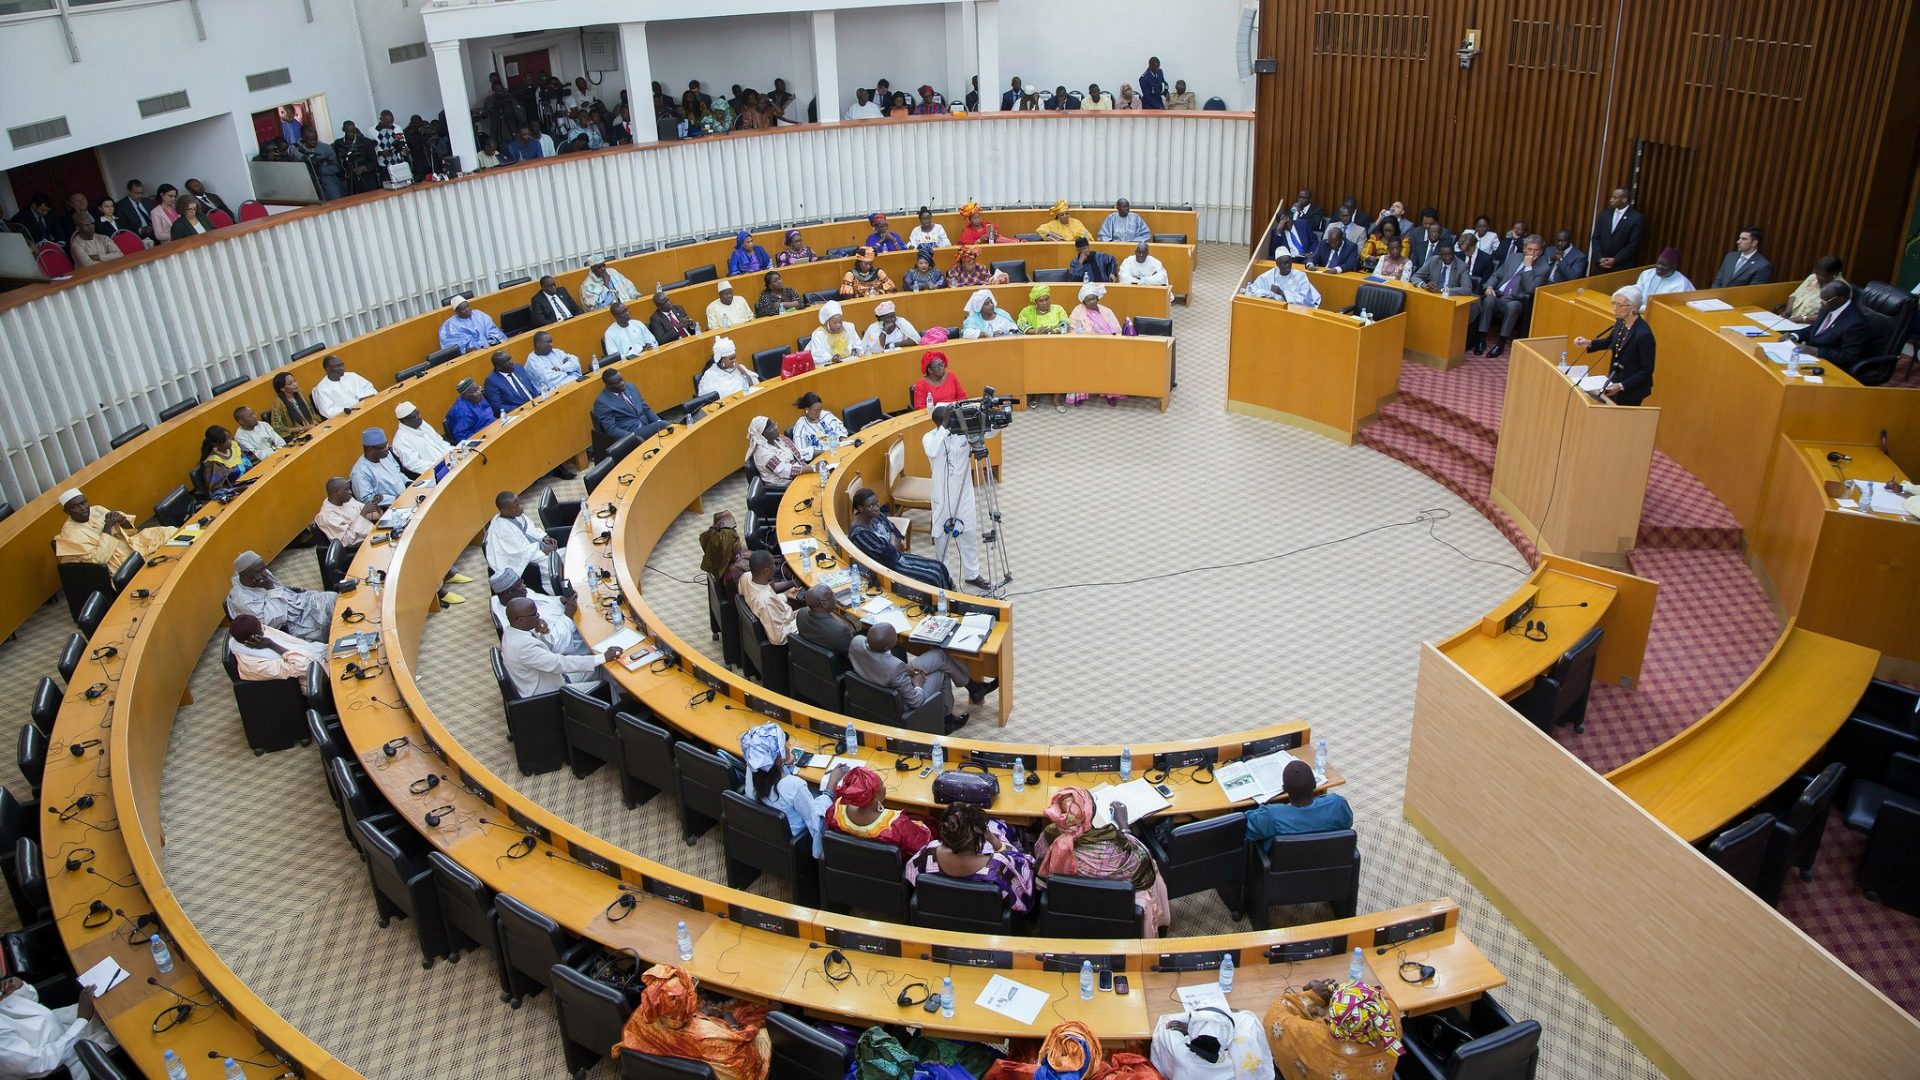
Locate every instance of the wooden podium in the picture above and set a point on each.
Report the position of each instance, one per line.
(1571, 471)
(1309, 367)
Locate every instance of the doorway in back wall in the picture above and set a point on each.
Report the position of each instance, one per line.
(60, 177)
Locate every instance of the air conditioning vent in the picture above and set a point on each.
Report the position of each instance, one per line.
(165, 103)
(268, 79)
(33, 134)
(400, 54)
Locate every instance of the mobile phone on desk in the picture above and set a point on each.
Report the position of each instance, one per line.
(1106, 978)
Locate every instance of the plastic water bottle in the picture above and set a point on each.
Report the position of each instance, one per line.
(684, 940)
(1126, 762)
(1320, 758)
(820, 469)
(1793, 363)
(1086, 980)
(939, 759)
(946, 997)
(615, 616)
(360, 642)
(1357, 967)
(853, 739)
(1366, 317)
(833, 442)
(171, 1062)
(1019, 774)
(1226, 973)
(234, 1071)
(162, 959)
(942, 603)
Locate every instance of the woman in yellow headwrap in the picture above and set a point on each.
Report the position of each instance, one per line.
(1334, 1029)
(1064, 226)
(672, 1021)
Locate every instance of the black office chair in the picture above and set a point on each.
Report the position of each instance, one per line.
(557, 515)
(1380, 301)
(861, 413)
(128, 570)
(71, 655)
(597, 444)
(178, 407)
(757, 841)
(273, 712)
(34, 904)
(320, 346)
(94, 610)
(336, 559)
(804, 1052)
(1801, 806)
(102, 1064)
(412, 371)
(508, 283)
(31, 756)
(1889, 310)
(1052, 276)
(1082, 907)
(45, 706)
(173, 510)
(1885, 722)
(1560, 695)
(720, 616)
(327, 737)
(533, 723)
(635, 1065)
(234, 383)
(757, 532)
(319, 686)
(440, 356)
(597, 475)
(1205, 854)
(403, 886)
(533, 945)
(969, 907)
(1889, 871)
(1485, 1044)
(878, 704)
(763, 498)
(587, 709)
(126, 436)
(815, 298)
(767, 363)
(466, 909)
(699, 274)
(842, 252)
(1303, 869)
(1015, 269)
(815, 672)
(761, 658)
(17, 822)
(646, 759)
(591, 1014)
(1899, 785)
(862, 876)
(1028, 237)
(357, 801)
(80, 580)
(702, 779)
(1169, 238)
(1742, 850)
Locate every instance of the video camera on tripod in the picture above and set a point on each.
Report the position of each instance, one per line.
(973, 418)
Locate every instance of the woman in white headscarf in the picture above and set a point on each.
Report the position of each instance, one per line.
(772, 454)
(984, 319)
(834, 341)
(1089, 317)
(725, 375)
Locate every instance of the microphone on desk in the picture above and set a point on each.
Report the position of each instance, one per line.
(123, 884)
(1544, 607)
(152, 981)
(139, 924)
(281, 1063)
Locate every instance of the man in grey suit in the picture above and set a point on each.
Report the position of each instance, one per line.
(1445, 273)
(821, 623)
(1744, 265)
(931, 672)
(1564, 261)
(1510, 290)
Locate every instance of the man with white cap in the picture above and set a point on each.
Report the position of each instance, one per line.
(557, 611)
(416, 445)
(513, 544)
(727, 309)
(95, 534)
(834, 340)
(549, 366)
(604, 285)
(626, 337)
(341, 389)
(262, 654)
(889, 331)
(467, 329)
(375, 477)
(533, 660)
(304, 613)
(725, 376)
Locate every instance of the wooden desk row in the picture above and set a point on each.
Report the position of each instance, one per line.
(1571, 598)
(1312, 368)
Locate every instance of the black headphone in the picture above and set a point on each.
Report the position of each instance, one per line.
(392, 746)
(104, 652)
(624, 904)
(95, 690)
(906, 998)
(76, 860)
(438, 814)
(80, 748)
(73, 808)
(1536, 630)
(355, 671)
(1425, 971)
(424, 784)
(836, 958)
(908, 762)
(825, 559)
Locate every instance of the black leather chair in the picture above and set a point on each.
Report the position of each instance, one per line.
(71, 654)
(596, 475)
(699, 274)
(94, 610)
(101, 1064)
(1800, 807)
(403, 885)
(1303, 869)
(358, 801)
(320, 346)
(533, 944)
(45, 706)
(516, 321)
(591, 1014)
(508, 283)
(815, 673)
(466, 908)
(1485, 1044)
(757, 532)
(842, 252)
(33, 903)
(273, 712)
(1886, 722)
(882, 705)
(412, 371)
(587, 713)
(174, 510)
(1899, 785)
(1052, 276)
(1153, 326)
(1889, 871)
(1560, 695)
(861, 413)
(440, 356)
(557, 515)
(234, 383)
(618, 450)
(1380, 301)
(598, 443)
(126, 436)
(124, 576)
(1082, 907)
(32, 756)
(970, 907)
(767, 362)
(804, 1052)
(763, 498)
(320, 690)
(1742, 850)
(79, 580)
(646, 759)
(1169, 238)
(762, 659)
(1205, 854)
(333, 558)
(756, 841)
(726, 625)
(1015, 269)
(635, 1065)
(819, 296)
(326, 736)
(1889, 310)
(862, 876)
(533, 723)
(17, 822)
(702, 779)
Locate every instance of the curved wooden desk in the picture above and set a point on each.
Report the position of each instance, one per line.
(1582, 307)
(1573, 598)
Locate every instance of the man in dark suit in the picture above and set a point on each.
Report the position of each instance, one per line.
(209, 202)
(1617, 235)
(1510, 290)
(1564, 261)
(619, 410)
(1839, 333)
(135, 212)
(1426, 243)
(1012, 97)
(1480, 264)
(1335, 253)
(1510, 241)
(552, 303)
(1090, 265)
(1303, 209)
(38, 219)
(1295, 236)
(508, 386)
(1744, 265)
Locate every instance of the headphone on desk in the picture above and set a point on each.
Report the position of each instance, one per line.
(905, 998)
(1536, 630)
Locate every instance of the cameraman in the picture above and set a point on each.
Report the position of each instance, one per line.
(955, 509)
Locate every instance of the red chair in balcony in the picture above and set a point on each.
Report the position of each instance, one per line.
(219, 219)
(128, 242)
(53, 262)
(252, 210)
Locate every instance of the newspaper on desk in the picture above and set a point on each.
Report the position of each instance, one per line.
(967, 633)
(1257, 778)
(1139, 797)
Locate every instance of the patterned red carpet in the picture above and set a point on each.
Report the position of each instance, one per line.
(1711, 628)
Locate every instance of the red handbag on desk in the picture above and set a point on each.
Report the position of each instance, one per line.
(798, 363)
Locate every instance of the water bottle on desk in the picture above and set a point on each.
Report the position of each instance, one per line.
(942, 602)
(1357, 967)
(1019, 773)
(162, 958)
(1126, 762)
(684, 940)
(946, 997)
(1086, 980)
(852, 741)
(234, 1071)
(170, 1061)
(939, 758)
(1226, 973)
(1320, 758)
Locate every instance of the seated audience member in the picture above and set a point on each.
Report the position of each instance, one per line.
(417, 447)
(1394, 265)
(771, 783)
(164, 212)
(795, 252)
(38, 220)
(1509, 292)
(669, 321)
(1333, 1028)
(553, 303)
(933, 673)
(524, 147)
(619, 409)
(775, 297)
(773, 456)
(255, 438)
(1142, 268)
(1486, 236)
(626, 336)
(1090, 317)
(1127, 101)
(508, 386)
(772, 607)
(1424, 243)
(103, 537)
(727, 309)
(1295, 237)
(1181, 98)
(834, 340)
(262, 654)
(859, 810)
(89, 245)
(1062, 226)
(973, 848)
(1744, 265)
(746, 257)
(817, 426)
(1090, 265)
(977, 230)
(889, 331)
(927, 106)
(1804, 303)
(1098, 101)
(557, 611)
(1305, 811)
(865, 278)
(882, 239)
(1837, 332)
(1283, 283)
(1663, 276)
(985, 320)
(468, 330)
(924, 275)
(292, 414)
(936, 385)
(823, 623)
(1335, 253)
(38, 1041)
(603, 285)
(1042, 316)
(722, 556)
(221, 462)
(191, 222)
(725, 376)
(306, 614)
(340, 389)
(1630, 342)
(530, 651)
(1072, 844)
(343, 517)
(1445, 273)
(376, 476)
(1379, 245)
(1566, 262)
(1125, 226)
(873, 532)
(470, 411)
(209, 202)
(863, 107)
(550, 367)
(927, 231)
(1480, 264)
(969, 273)
(513, 544)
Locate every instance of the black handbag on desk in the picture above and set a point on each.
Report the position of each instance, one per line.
(969, 783)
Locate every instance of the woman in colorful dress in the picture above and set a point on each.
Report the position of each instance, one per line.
(859, 810)
(866, 278)
(1072, 844)
(795, 252)
(973, 848)
(985, 320)
(968, 273)
(924, 275)
(1091, 318)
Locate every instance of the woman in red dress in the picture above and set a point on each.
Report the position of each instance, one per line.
(937, 385)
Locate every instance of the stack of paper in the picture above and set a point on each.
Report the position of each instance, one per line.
(1575, 372)
(1777, 351)
(879, 609)
(804, 547)
(1883, 500)
(934, 630)
(103, 976)
(396, 517)
(1744, 331)
(1016, 1001)
(1773, 322)
(1709, 304)
(1593, 384)
(1138, 796)
(635, 651)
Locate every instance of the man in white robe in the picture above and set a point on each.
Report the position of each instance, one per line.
(532, 659)
(513, 543)
(604, 285)
(889, 331)
(1285, 283)
(550, 367)
(104, 537)
(557, 611)
(1141, 268)
(416, 445)
(341, 389)
(728, 310)
(256, 439)
(36, 1040)
(262, 654)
